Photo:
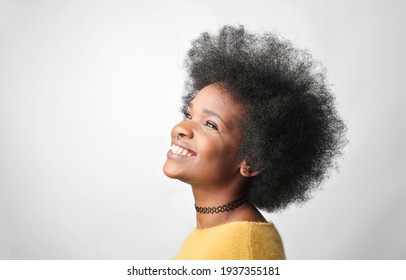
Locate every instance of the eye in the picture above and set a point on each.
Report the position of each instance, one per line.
(211, 125)
(187, 115)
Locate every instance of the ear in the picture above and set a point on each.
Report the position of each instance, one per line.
(247, 171)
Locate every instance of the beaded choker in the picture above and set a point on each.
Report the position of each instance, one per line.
(220, 209)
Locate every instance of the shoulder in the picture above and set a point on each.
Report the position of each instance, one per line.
(239, 240)
(265, 241)
(249, 240)
(262, 239)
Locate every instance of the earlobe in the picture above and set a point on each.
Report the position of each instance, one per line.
(247, 171)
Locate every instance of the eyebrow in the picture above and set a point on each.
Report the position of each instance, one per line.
(211, 113)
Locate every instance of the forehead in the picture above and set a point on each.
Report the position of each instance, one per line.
(216, 99)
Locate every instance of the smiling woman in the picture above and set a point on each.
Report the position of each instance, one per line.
(212, 138)
(260, 131)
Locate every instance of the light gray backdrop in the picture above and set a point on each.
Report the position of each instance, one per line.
(89, 91)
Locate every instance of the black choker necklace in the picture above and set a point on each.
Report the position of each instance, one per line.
(220, 209)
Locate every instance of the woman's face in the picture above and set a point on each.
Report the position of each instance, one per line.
(204, 148)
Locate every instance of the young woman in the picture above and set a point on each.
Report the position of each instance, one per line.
(260, 130)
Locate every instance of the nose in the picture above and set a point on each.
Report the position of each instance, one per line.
(182, 130)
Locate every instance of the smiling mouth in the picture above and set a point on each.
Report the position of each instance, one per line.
(182, 151)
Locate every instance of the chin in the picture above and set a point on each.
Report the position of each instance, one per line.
(166, 171)
(174, 173)
(171, 172)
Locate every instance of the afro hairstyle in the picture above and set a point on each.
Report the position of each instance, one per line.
(291, 131)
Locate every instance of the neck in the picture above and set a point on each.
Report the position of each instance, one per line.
(214, 197)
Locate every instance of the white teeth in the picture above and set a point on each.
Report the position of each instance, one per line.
(180, 151)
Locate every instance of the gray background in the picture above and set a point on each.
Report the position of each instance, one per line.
(89, 91)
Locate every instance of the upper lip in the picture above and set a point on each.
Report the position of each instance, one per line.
(182, 145)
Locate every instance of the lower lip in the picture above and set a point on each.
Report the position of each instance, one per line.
(172, 155)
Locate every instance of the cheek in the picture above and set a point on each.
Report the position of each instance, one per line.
(220, 151)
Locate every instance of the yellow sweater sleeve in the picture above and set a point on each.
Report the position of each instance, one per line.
(234, 241)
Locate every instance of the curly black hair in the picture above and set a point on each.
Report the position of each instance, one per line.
(291, 130)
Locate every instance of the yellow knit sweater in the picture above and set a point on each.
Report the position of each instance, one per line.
(240, 240)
